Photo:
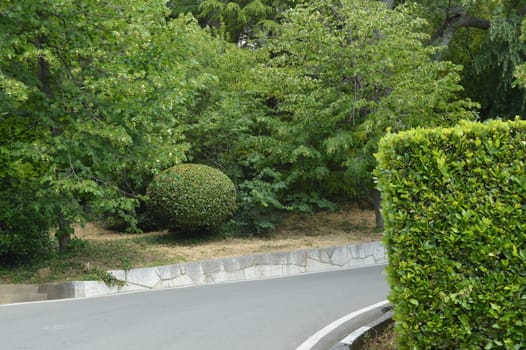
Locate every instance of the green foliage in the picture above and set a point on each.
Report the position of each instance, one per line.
(26, 213)
(240, 21)
(489, 54)
(191, 197)
(336, 78)
(489, 76)
(91, 96)
(520, 71)
(295, 123)
(179, 7)
(96, 97)
(454, 203)
(24, 224)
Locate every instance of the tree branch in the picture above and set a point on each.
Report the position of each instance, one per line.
(457, 19)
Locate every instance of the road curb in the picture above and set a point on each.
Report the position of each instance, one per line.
(209, 271)
(327, 337)
(356, 339)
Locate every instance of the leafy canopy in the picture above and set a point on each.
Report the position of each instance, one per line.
(239, 21)
(299, 127)
(483, 36)
(91, 96)
(337, 77)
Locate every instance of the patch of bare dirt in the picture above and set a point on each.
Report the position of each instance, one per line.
(385, 339)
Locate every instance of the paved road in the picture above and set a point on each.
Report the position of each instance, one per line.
(272, 314)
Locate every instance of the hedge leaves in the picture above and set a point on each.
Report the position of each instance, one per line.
(455, 216)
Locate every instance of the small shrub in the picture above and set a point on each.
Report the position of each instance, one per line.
(191, 197)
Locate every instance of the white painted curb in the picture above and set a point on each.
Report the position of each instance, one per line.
(318, 336)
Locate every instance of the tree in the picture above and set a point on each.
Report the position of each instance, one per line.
(91, 93)
(303, 124)
(520, 72)
(221, 121)
(338, 77)
(240, 21)
(483, 36)
(178, 7)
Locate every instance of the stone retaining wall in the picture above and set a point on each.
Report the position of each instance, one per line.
(252, 267)
(212, 271)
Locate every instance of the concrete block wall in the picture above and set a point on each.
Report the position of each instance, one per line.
(12, 293)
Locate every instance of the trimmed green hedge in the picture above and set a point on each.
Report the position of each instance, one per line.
(454, 203)
(191, 197)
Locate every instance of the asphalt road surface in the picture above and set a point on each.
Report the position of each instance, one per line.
(271, 314)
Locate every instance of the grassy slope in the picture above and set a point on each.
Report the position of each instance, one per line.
(95, 250)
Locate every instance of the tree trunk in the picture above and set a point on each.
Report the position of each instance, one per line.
(63, 233)
(63, 244)
(377, 202)
(44, 72)
(65, 230)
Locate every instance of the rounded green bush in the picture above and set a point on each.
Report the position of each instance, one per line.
(189, 197)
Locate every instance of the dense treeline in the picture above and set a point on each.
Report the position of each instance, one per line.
(481, 35)
(288, 98)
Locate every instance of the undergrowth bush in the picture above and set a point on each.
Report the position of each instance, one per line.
(191, 197)
(454, 203)
(24, 227)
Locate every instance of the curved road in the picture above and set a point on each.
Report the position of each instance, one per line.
(271, 314)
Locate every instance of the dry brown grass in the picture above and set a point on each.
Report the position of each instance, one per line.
(385, 340)
(323, 229)
(99, 249)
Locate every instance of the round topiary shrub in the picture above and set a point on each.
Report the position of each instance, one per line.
(190, 197)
